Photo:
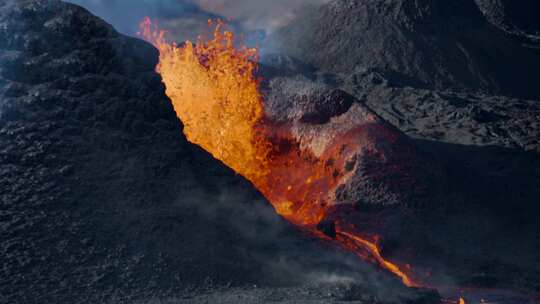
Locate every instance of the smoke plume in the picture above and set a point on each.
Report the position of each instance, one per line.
(186, 19)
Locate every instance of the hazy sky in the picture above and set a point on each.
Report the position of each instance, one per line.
(251, 14)
(265, 14)
(125, 15)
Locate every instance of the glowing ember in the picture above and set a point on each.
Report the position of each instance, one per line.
(216, 95)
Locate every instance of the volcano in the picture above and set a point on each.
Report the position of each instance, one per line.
(103, 197)
(342, 169)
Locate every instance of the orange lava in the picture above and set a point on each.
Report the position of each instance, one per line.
(216, 95)
(375, 252)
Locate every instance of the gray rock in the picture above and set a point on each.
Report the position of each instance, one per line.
(420, 43)
(375, 163)
(449, 116)
(483, 230)
(514, 16)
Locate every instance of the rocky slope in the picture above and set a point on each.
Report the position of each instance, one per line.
(379, 52)
(420, 43)
(481, 211)
(375, 163)
(400, 58)
(102, 199)
(450, 116)
(514, 16)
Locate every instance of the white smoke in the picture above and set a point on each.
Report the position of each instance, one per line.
(184, 16)
(252, 15)
(258, 14)
(254, 20)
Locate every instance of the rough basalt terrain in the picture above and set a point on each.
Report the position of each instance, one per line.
(102, 199)
(518, 17)
(390, 56)
(466, 118)
(477, 225)
(382, 166)
(420, 43)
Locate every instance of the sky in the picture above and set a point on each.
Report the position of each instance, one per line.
(125, 15)
(258, 14)
(251, 15)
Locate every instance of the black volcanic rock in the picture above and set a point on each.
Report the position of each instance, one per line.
(102, 199)
(420, 43)
(451, 117)
(299, 99)
(419, 65)
(379, 165)
(515, 16)
(472, 163)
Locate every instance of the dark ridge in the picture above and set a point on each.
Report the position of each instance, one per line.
(515, 16)
(420, 43)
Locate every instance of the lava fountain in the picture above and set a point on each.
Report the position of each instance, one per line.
(215, 93)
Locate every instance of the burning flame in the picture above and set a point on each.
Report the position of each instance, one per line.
(216, 95)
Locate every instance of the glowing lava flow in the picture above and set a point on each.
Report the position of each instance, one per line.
(216, 95)
(376, 254)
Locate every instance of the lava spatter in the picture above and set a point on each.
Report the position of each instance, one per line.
(215, 93)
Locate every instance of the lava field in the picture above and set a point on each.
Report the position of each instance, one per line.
(232, 151)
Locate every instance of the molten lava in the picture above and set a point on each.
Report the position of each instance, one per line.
(216, 95)
(353, 241)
